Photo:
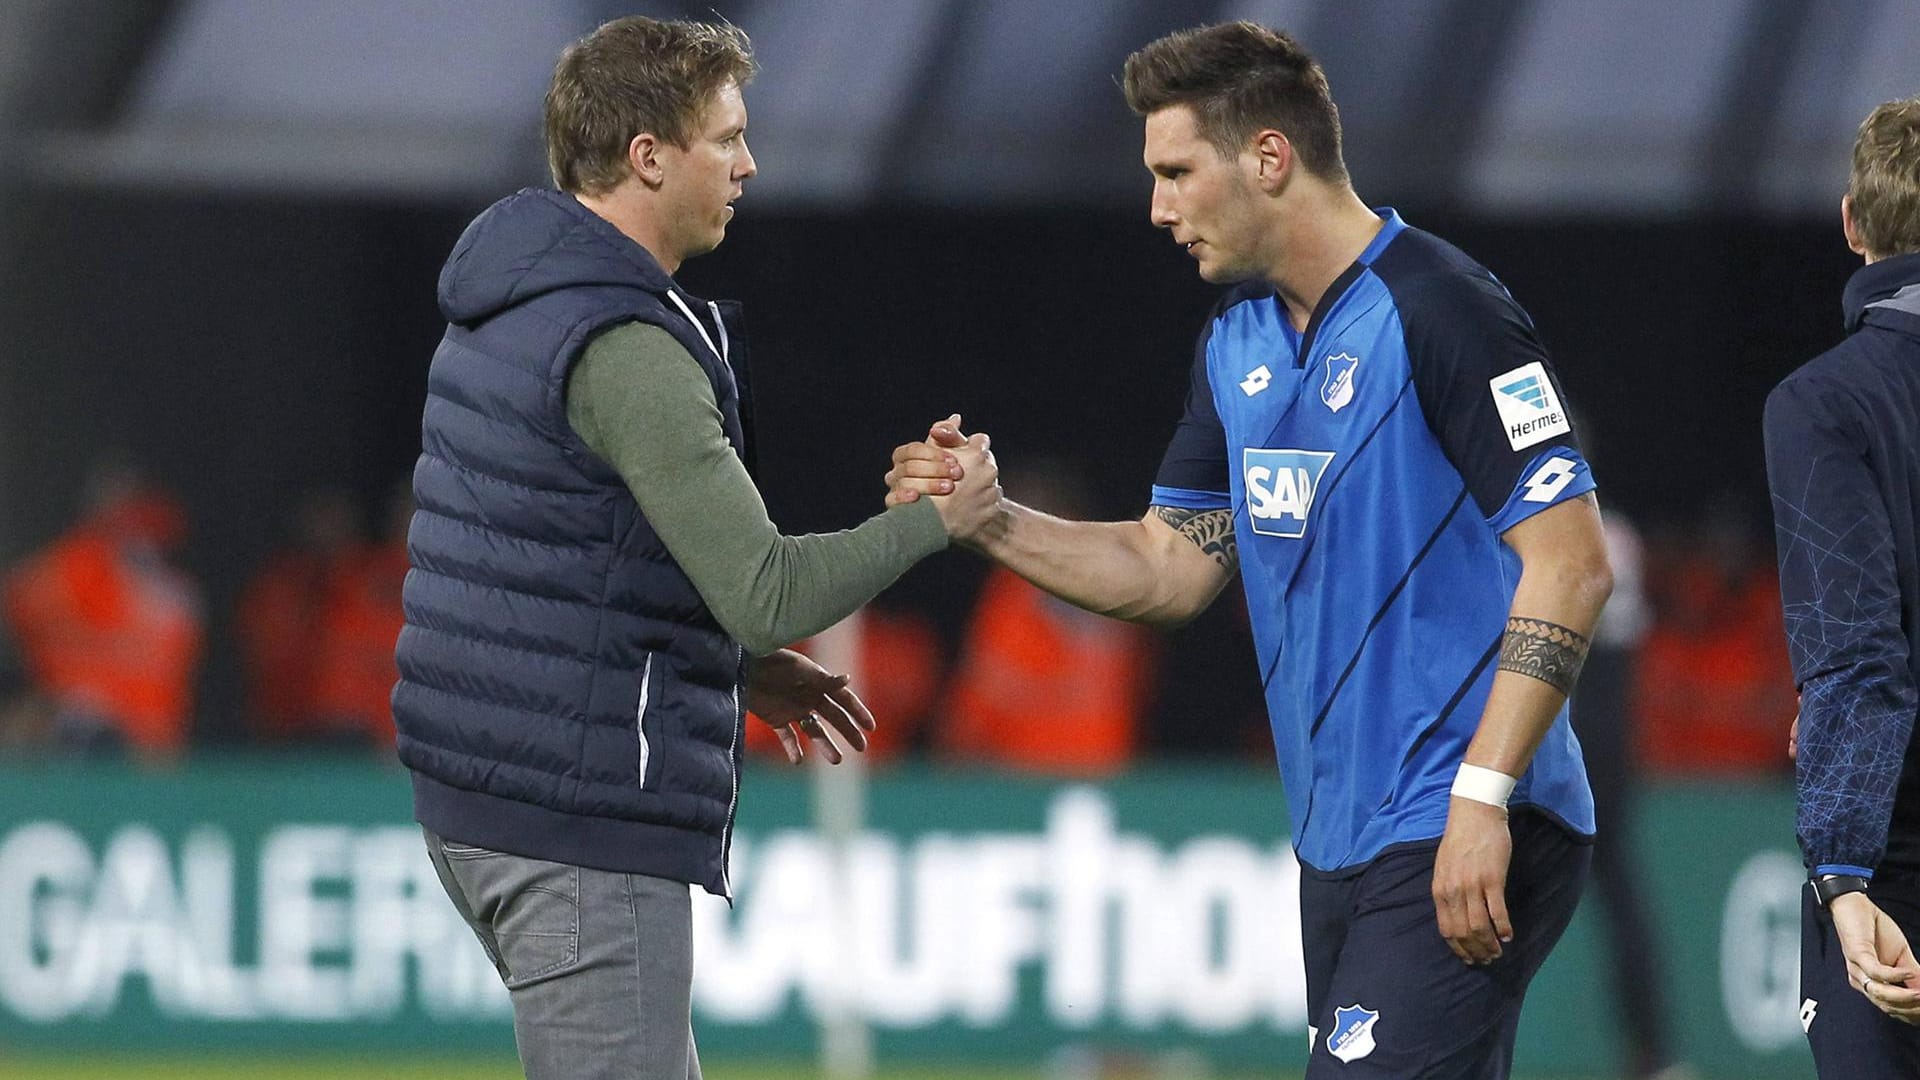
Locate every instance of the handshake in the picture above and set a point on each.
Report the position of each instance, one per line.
(959, 474)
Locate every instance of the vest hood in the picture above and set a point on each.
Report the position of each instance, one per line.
(534, 242)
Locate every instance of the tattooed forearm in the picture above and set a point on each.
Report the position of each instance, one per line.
(1543, 650)
(1210, 530)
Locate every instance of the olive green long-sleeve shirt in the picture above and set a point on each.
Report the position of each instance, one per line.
(637, 399)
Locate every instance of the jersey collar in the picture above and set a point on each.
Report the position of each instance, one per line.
(1391, 226)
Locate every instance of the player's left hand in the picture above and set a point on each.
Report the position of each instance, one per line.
(796, 696)
(1880, 963)
(1470, 881)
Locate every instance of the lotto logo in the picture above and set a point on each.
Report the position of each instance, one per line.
(1280, 488)
(1549, 480)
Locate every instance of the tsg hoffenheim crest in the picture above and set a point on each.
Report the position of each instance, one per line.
(1337, 389)
(1352, 1036)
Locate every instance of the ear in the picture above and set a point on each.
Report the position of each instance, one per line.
(1273, 161)
(643, 157)
(1851, 228)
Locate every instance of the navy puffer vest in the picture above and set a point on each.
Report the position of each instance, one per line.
(564, 692)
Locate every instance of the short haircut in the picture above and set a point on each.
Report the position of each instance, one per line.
(1240, 78)
(630, 76)
(1884, 189)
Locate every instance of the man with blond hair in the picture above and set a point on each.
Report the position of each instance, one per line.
(1843, 462)
(596, 595)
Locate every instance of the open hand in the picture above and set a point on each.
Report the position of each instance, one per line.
(796, 696)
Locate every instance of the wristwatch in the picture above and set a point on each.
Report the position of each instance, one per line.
(1828, 886)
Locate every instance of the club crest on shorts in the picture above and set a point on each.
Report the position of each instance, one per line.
(1352, 1035)
(1337, 388)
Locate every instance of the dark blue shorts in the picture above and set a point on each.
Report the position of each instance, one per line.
(1386, 997)
(1851, 1038)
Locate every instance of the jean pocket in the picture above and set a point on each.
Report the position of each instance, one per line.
(466, 851)
(538, 922)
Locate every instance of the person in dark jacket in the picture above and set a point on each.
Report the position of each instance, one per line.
(596, 594)
(1843, 462)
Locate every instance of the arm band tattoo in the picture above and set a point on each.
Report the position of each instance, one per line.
(1546, 651)
(1210, 530)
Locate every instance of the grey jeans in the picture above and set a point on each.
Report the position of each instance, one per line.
(599, 964)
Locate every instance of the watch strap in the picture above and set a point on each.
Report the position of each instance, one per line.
(1828, 886)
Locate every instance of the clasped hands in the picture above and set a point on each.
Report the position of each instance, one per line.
(958, 472)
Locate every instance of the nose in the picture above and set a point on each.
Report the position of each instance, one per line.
(747, 166)
(1160, 207)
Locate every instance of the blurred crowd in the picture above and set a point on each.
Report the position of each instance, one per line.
(106, 632)
(105, 635)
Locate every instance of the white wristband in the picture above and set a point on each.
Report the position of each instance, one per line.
(1483, 785)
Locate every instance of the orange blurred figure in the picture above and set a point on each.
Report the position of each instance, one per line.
(108, 629)
(281, 611)
(1043, 686)
(1714, 689)
(354, 667)
(1046, 687)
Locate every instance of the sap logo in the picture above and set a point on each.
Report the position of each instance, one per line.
(1280, 489)
(1529, 407)
(1352, 1037)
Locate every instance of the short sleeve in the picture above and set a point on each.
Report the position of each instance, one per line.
(1490, 396)
(1193, 471)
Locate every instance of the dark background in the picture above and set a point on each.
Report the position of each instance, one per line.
(246, 349)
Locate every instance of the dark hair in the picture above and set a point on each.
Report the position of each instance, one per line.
(1884, 189)
(1239, 78)
(635, 75)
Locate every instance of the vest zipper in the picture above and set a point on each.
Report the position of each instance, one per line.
(640, 717)
(722, 351)
(733, 762)
(720, 324)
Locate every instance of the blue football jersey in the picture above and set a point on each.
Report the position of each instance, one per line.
(1371, 465)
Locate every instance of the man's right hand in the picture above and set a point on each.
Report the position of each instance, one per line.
(958, 471)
